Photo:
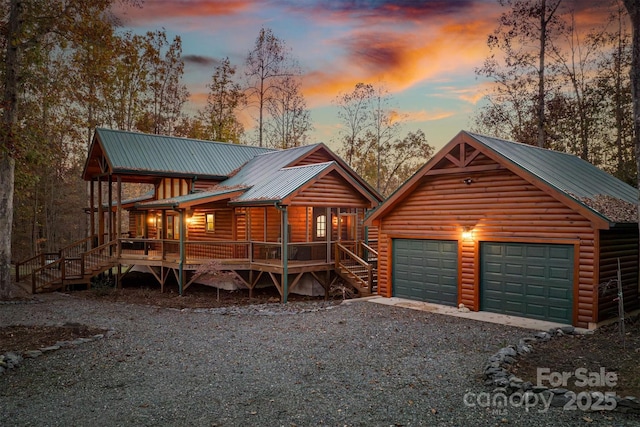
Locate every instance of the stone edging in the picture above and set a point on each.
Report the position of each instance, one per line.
(496, 373)
(14, 359)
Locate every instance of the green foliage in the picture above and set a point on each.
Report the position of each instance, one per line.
(218, 119)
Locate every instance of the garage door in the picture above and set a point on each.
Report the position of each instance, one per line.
(426, 270)
(528, 280)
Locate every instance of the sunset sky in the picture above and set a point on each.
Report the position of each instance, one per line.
(424, 52)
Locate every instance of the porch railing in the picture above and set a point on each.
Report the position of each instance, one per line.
(253, 251)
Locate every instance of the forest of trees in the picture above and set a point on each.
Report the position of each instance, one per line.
(561, 85)
(68, 68)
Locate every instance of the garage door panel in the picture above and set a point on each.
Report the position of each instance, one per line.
(536, 290)
(513, 269)
(513, 288)
(513, 251)
(561, 273)
(536, 280)
(426, 270)
(557, 253)
(537, 271)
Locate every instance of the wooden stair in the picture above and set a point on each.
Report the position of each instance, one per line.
(357, 271)
(74, 265)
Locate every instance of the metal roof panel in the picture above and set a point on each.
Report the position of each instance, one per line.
(140, 152)
(282, 183)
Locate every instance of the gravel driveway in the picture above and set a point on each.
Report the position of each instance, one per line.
(356, 364)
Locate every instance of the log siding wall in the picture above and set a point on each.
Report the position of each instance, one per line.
(620, 242)
(331, 190)
(499, 206)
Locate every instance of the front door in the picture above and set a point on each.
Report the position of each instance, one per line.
(347, 231)
(173, 227)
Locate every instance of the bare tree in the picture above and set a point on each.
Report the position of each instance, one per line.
(166, 92)
(371, 141)
(265, 65)
(289, 118)
(524, 25)
(354, 111)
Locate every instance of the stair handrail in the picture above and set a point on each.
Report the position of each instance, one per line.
(369, 249)
(340, 248)
(70, 250)
(39, 261)
(58, 264)
(41, 258)
(97, 249)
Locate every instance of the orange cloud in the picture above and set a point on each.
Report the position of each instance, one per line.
(401, 59)
(426, 116)
(472, 94)
(158, 10)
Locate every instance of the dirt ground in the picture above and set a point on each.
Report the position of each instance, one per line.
(605, 348)
(23, 338)
(602, 349)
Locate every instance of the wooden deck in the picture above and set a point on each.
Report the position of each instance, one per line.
(246, 261)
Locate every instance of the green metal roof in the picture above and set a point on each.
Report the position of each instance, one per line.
(188, 198)
(565, 172)
(139, 153)
(282, 183)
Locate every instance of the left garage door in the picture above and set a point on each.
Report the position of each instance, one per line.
(426, 270)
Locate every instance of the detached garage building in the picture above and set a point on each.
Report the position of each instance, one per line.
(510, 228)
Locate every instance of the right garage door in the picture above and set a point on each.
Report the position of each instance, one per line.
(527, 280)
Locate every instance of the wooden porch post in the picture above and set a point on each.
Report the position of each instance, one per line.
(100, 213)
(110, 204)
(329, 233)
(119, 213)
(92, 212)
(182, 252)
(285, 253)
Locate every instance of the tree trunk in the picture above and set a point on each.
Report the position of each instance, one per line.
(8, 146)
(7, 168)
(543, 45)
(633, 8)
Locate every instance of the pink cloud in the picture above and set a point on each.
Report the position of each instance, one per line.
(402, 59)
(159, 10)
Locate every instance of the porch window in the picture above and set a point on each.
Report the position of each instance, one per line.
(210, 223)
(321, 226)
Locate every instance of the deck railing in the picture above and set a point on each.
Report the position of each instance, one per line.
(75, 249)
(48, 274)
(253, 251)
(26, 267)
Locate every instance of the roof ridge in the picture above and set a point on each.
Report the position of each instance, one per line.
(204, 141)
(277, 150)
(522, 144)
(310, 165)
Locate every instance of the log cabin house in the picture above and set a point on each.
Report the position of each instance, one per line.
(510, 228)
(258, 213)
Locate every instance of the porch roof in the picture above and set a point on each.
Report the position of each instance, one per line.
(135, 153)
(281, 183)
(200, 197)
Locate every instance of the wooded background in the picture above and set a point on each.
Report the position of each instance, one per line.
(554, 84)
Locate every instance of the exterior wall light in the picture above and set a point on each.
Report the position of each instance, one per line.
(467, 233)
